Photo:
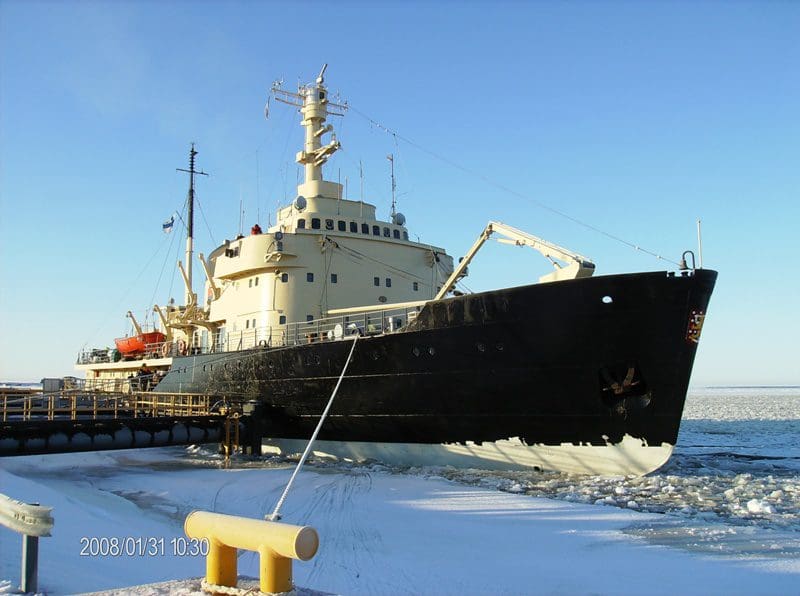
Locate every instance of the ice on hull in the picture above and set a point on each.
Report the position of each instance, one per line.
(630, 457)
(573, 376)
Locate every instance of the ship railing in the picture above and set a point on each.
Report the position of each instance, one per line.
(95, 356)
(368, 322)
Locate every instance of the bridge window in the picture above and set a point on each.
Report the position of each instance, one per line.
(354, 227)
(315, 223)
(388, 282)
(282, 320)
(255, 283)
(309, 318)
(342, 225)
(250, 284)
(328, 224)
(284, 277)
(301, 224)
(247, 324)
(334, 278)
(396, 234)
(309, 277)
(416, 286)
(376, 281)
(405, 235)
(376, 230)
(364, 228)
(386, 232)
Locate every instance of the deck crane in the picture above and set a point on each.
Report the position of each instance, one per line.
(574, 266)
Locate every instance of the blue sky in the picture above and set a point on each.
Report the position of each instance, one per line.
(635, 118)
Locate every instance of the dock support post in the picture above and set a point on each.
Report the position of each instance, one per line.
(30, 564)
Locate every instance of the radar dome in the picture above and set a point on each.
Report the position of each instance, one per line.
(398, 219)
(300, 203)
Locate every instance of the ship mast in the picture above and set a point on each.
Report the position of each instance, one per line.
(314, 107)
(190, 224)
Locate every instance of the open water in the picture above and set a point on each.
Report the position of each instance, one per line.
(732, 485)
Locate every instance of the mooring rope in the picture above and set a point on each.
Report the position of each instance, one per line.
(275, 515)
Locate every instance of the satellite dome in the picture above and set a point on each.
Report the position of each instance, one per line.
(398, 219)
(300, 203)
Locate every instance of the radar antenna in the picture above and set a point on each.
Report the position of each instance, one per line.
(312, 101)
(390, 157)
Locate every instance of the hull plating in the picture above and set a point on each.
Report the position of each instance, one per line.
(586, 362)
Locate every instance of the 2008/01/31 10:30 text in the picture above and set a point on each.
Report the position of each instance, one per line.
(142, 546)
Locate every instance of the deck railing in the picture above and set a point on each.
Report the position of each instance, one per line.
(370, 322)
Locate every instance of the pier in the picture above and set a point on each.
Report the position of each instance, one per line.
(77, 420)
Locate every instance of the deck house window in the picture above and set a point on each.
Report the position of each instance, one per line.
(284, 277)
(328, 224)
(388, 282)
(386, 233)
(250, 284)
(301, 224)
(396, 234)
(376, 281)
(309, 277)
(405, 235)
(364, 228)
(255, 283)
(416, 286)
(334, 278)
(376, 230)
(315, 223)
(342, 225)
(309, 318)
(354, 227)
(282, 320)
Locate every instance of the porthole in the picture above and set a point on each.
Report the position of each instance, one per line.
(375, 355)
(481, 347)
(500, 347)
(432, 351)
(415, 351)
(607, 300)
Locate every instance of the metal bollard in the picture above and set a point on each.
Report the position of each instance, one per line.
(32, 521)
(276, 543)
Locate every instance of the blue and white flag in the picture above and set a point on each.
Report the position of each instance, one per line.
(167, 225)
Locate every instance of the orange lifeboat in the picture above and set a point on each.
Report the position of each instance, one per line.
(136, 345)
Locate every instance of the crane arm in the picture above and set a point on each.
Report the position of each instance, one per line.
(574, 265)
(214, 288)
(136, 325)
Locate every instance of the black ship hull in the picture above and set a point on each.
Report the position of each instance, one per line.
(586, 375)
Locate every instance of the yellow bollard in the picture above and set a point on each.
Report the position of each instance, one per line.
(276, 543)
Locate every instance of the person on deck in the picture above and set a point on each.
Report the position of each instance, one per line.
(255, 230)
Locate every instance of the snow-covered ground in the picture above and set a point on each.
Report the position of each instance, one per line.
(722, 517)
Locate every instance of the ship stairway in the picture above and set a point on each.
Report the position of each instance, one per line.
(79, 420)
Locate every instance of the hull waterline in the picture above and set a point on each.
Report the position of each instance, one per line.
(586, 376)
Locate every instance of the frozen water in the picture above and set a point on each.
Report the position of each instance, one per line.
(731, 489)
